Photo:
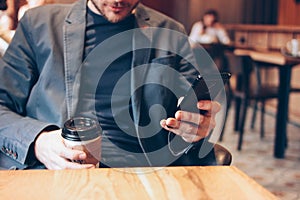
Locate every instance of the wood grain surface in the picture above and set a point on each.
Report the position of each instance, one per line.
(219, 182)
(272, 57)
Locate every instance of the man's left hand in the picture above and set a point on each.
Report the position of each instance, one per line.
(193, 126)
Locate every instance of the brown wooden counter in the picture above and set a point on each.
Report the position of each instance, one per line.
(284, 65)
(219, 182)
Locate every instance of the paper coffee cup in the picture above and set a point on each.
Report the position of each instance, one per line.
(83, 134)
(295, 47)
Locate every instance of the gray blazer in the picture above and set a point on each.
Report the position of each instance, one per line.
(38, 84)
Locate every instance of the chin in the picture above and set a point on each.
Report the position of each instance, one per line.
(114, 18)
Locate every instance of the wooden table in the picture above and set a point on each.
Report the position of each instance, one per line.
(133, 183)
(285, 65)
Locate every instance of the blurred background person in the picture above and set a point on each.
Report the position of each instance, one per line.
(8, 19)
(209, 30)
(7, 23)
(30, 4)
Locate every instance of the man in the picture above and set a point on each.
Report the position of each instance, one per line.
(8, 14)
(39, 89)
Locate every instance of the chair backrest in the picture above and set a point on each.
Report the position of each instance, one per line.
(223, 156)
(242, 68)
(3, 5)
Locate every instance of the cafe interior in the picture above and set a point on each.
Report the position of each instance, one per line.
(258, 145)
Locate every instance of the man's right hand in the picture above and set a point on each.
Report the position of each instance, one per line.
(51, 151)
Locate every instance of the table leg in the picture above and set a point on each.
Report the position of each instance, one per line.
(282, 111)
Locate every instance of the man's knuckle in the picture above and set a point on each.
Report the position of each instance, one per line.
(186, 116)
(61, 153)
(213, 123)
(216, 106)
(189, 128)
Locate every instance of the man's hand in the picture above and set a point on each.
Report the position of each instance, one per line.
(192, 126)
(51, 151)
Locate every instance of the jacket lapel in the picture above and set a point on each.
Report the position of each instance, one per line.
(74, 33)
(142, 37)
(74, 30)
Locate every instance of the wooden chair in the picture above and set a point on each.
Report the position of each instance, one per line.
(248, 90)
(223, 156)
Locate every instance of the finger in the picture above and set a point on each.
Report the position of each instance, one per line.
(206, 126)
(74, 165)
(211, 106)
(51, 151)
(163, 124)
(72, 154)
(187, 128)
(190, 138)
(192, 131)
(184, 128)
(187, 131)
(61, 163)
(190, 117)
(170, 122)
(64, 160)
(195, 133)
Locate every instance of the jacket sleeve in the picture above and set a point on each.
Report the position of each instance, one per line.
(18, 75)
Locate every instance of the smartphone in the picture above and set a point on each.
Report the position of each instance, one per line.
(203, 88)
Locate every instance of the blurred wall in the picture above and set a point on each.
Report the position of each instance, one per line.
(231, 12)
(289, 12)
(190, 11)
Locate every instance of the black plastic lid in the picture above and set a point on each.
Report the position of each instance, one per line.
(81, 129)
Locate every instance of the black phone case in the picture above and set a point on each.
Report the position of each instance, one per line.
(203, 88)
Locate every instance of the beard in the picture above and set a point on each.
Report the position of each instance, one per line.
(120, 12)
